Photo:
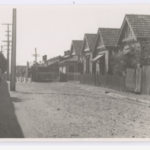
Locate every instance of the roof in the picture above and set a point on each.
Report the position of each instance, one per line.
(77, 44)
(70, 60)
(91, 39)
(53, 60)
(140, 24)
(109, 35)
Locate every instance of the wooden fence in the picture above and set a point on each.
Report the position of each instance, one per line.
(145, 86)
(73, 76)
(135, 80)
(130, 82)
(88, 79)
(46, 76)
(111, 81)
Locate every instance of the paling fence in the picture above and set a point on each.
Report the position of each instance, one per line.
(135, 80)
(73, 76)
(130, 80)
(111, 81)
(44, 76)
(88, 79)
(145, 84)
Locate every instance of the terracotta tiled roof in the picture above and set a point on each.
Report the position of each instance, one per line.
(140, 24)
(91, 39)
(109, 36)
(77, 44)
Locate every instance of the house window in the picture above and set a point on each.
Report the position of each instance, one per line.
(87, 64)
(71, 68)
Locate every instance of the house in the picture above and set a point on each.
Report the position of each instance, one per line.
(135, 29)
(53, 64)
(62, 65)
(86, 51)
(47, 71)
(103, 50)
(72, 59)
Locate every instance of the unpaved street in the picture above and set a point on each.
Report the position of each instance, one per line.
(69, 110)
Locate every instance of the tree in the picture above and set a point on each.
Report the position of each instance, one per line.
(3, 63)
(138, 55)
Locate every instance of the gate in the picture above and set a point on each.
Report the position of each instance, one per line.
(133, 80)
(146, 80)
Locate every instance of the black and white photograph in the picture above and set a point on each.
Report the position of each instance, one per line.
(75, 72)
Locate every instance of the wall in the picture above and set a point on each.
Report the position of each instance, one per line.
(106, 53)
(84, 63)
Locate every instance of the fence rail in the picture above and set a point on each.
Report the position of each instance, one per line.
(44, 76)
(73, 77)
(111, 81)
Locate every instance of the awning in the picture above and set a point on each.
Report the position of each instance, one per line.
(97, 57)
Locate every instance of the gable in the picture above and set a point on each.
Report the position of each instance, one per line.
(73, 51)
(126, 32)
(86, 47)
(100, 42)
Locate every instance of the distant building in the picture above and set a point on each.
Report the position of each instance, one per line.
(71, 63)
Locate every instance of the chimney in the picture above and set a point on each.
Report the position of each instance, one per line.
(44, 58)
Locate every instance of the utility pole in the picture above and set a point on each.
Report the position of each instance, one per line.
(27, 73)
(8, 47)
(13, 53)
(35, 55)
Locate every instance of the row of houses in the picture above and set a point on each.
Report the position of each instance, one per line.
(93, 54)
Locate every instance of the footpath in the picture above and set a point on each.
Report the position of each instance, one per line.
(141, 98)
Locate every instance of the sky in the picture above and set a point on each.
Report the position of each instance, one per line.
(50, 29)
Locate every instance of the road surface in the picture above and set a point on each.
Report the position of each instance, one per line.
(70, 110)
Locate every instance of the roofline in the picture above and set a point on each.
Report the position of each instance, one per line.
(121, 29)
(110, 28)
(125, 19)
(98, 32)
(83, 44)
(54, 58)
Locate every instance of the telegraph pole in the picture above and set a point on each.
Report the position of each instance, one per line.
(13, 53)
(8, 47)
(35, 55)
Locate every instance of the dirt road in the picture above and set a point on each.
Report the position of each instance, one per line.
(68, 110)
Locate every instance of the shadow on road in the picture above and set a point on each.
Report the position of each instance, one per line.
(9, 126)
